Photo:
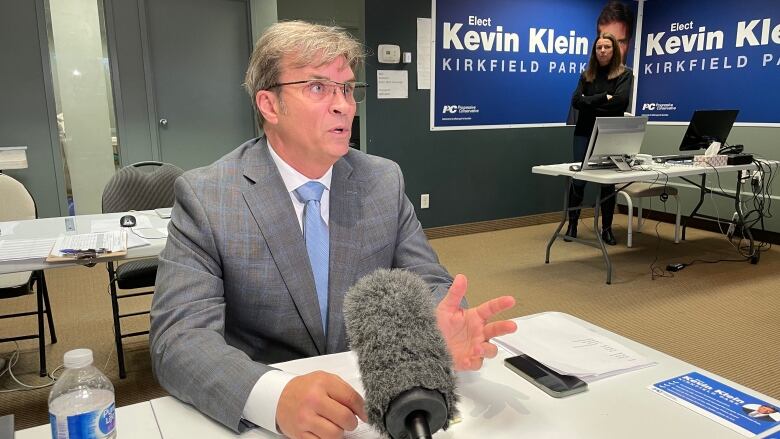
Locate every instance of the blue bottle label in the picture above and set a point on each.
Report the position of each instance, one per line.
(97, 424)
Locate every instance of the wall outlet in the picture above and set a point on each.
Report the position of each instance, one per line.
(425, 200)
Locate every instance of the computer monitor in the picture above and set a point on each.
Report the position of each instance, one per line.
(708, 126)
(613, 139)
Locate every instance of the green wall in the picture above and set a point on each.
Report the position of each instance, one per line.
(472, 175)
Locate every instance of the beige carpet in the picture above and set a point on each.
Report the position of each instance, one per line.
(715, 316)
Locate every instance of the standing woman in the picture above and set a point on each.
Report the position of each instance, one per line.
(603, 90)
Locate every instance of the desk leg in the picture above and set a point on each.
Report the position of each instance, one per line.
(564, 213)
(740, 218)
(702, 193)
(596, 212)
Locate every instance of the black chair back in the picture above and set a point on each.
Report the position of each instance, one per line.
(141, 186)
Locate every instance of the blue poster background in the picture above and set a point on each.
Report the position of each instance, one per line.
(475, 99)
(673, 96)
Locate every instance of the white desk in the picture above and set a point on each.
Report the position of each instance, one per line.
(496, 403)
(658, 173)
(132, 422)
(53, 227)
(649, 173)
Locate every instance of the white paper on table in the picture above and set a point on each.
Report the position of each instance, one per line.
(344, 365)
(108, 225)
(134, 240)
(112, 241)
(20, 249)
(392, 84)
(7, 227)
(424, 53)
(569, 348)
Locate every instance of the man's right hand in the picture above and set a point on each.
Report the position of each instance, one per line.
(318, 405)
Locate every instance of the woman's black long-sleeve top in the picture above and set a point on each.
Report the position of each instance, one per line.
(590, 98)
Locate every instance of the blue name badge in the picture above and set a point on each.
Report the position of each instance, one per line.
(724, 404)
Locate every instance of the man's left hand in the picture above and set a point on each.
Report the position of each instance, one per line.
(467, 331)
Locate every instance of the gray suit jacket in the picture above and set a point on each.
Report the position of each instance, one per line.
(235, 289)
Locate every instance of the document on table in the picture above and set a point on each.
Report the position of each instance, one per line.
(569, 348)
(103, 242)
(7, 227)
(137, 237)
(108, 225)
(21, 249)
(344, 365)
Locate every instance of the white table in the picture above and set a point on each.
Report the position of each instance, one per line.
(54, 227)
(656, 173)
(132, 421)
(496, 403)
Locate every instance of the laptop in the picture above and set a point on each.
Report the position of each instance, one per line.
(614, 139)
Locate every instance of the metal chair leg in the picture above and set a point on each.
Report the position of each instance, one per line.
(120, 354)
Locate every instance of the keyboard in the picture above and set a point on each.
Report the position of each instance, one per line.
(676, 157)
(602, 165)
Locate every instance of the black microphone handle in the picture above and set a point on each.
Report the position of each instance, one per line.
(416, 413)
(417, 425)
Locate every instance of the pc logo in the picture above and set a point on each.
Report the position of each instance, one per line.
(648, 106)
(450, 109)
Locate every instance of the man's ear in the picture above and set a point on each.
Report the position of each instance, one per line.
(268, 105)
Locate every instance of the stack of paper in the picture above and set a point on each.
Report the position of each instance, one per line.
(569, 348)
(99, 243)
(22, 249)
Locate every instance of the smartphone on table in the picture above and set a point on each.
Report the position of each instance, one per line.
(548, 380)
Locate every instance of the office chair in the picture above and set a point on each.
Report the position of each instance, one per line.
(644, 190)
(140, 186)
(16, 203)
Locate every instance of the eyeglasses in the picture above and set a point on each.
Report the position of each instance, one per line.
(319, 89)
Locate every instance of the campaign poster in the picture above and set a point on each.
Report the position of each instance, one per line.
(722, 54)
(509, 63)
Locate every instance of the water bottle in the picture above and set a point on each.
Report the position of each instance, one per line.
(81, 403)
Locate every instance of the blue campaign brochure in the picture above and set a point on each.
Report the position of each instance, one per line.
(728, 406)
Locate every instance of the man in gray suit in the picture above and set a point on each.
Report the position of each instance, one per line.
(255, 270)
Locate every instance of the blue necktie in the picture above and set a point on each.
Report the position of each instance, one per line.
(315, 233)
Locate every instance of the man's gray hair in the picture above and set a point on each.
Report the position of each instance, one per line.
(302, 44)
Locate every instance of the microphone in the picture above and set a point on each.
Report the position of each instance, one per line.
(404, 363)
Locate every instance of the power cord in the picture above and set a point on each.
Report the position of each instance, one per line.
(25, 387)
(761, 200)
(656, 271)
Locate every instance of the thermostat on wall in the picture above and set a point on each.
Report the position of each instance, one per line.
(389, 54)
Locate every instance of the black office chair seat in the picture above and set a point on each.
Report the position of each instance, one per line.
(136, 274)
(15, 284)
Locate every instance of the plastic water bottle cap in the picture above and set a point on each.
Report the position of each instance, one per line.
(78, 358)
